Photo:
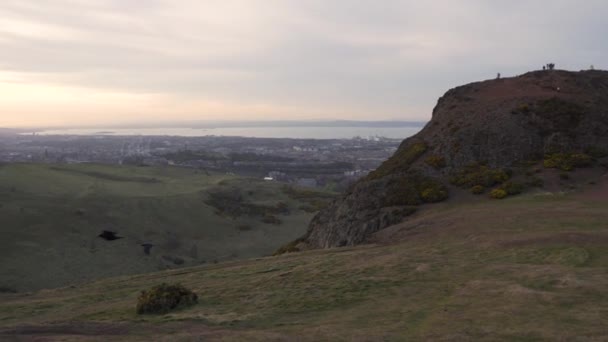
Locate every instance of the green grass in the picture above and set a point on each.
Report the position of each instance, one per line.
(531, 267)
(50, 216)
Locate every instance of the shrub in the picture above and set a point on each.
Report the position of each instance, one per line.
(478, 189)
(596, 152)
(564, 176)
(437, 162)
(512, 188)
(479, 174)
(498, 193)
(291, 247)
(163, 298)
(581, 160)
(414, 189)
(400, 161)
(434, 194)
(567, 162)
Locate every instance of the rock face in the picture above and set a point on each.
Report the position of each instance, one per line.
(493, 125)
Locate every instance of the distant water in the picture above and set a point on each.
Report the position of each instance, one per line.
(255, 132)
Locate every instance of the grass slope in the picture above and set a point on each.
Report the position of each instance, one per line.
(50, 216)
(528, 268)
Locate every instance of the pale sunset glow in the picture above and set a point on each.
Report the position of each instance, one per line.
(79, 62)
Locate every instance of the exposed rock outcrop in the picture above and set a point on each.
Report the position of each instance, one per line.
(479, 135)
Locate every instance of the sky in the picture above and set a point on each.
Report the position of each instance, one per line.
(112, 62)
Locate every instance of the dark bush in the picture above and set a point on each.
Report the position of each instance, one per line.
(479, 174)
(414, 189)
(596, 152)
(291, 247)
(567, 162)
(512, 188)
(163, 298)
(478, 189)
(437, 162)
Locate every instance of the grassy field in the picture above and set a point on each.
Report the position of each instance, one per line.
(51, 216)
(529, 268)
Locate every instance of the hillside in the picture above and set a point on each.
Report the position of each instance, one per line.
(528, 268)
(51, 217)
(542, 131)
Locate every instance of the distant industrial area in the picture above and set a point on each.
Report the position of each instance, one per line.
(318, 163)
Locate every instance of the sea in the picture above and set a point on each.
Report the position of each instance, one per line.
(255, 132)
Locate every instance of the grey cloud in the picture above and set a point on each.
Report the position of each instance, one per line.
(378, 56)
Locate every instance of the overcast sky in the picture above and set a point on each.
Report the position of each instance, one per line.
(71, 62)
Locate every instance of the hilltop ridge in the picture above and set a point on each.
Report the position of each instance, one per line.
(508, 135)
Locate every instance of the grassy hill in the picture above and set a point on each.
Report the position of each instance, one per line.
(51, 216)
(528, 268)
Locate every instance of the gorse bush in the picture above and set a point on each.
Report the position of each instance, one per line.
(512, 188)
(478, 189)
(414, 189)
(437, 162)
(567, 162)
(400, 161)
(433, 195)
(479, 174)
(163, 298)
(507, 189)
(498, 194)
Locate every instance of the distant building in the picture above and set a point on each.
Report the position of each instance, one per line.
(268, 179)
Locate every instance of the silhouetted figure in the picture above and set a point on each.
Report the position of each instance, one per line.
(109, 236)
(544, 67)
(147, 247)
(498, 76)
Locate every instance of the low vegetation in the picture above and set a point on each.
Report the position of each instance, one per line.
(498, 193)
(437, 162)
(414, 189)
(232, 202)
(290, 247)
(164, 298)
(400, 161)
(457, 272)
(478, 189)
(479, 174)
(314, 200)
(567, 161)
(49, 211)
(507, 189)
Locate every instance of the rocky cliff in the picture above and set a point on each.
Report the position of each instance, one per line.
(490, 138)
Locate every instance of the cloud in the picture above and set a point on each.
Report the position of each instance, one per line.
(342, 58)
